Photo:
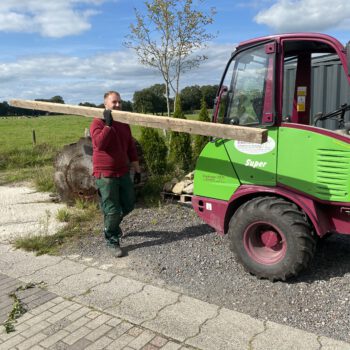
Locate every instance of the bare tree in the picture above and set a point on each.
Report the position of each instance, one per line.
(168, 38)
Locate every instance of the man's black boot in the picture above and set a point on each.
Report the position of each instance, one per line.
(118, 251)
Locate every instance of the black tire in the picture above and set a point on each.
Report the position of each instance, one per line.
(272, 238)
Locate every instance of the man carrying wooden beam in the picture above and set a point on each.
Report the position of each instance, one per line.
(113, 150)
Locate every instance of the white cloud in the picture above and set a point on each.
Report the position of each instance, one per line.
(86, 79)
(48, 18)
(305, 15)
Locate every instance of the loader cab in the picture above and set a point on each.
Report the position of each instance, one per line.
(287, 78)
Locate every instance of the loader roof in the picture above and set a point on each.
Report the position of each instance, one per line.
(295, 37)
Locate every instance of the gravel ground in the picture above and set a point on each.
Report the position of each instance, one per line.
(170, 246)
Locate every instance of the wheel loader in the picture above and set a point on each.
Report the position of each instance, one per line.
(274, 200)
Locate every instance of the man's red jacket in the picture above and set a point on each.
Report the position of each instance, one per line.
(113, 148)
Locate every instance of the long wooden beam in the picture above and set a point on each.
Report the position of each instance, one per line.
(224, 131)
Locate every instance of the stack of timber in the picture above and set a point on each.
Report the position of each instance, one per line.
(181, 191)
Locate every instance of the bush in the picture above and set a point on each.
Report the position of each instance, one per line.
(154, 151)
(201, 141)
(150, 193)
(180, 148)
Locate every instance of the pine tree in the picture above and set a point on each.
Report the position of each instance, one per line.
(201, 141)
(154, 151)
(180, 148)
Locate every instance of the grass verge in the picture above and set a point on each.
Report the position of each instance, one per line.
(84, 218)
(41, 177)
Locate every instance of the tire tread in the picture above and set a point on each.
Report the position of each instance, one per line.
(289, 212)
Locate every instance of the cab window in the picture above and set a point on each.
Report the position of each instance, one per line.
(246, 80)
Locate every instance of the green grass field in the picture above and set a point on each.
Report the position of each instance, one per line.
(56, 131)
(20, 160)
(53, 130)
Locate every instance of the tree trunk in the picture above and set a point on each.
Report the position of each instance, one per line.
(167, 94)
(73, 171)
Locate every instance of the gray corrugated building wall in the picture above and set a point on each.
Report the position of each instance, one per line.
(329, 88)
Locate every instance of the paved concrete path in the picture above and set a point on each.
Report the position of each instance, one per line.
(25, 211)
(87, 307)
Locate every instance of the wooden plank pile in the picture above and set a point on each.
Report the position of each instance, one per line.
(182, 190)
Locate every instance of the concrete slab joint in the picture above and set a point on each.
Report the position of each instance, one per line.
(182, 319)
(54, 274)
(108, 295)
(251, 341)
(203, 324)
(80, 283)
(229, 330)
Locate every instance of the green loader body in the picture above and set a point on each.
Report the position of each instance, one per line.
(274, 199)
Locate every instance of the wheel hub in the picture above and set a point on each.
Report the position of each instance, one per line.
(269, 238)
(265, 243)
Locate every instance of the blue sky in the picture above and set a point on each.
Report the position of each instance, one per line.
(73, 48)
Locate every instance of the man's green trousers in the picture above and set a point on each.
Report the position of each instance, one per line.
(117, 200)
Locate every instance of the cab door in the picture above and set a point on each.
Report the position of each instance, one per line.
(250, 102)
